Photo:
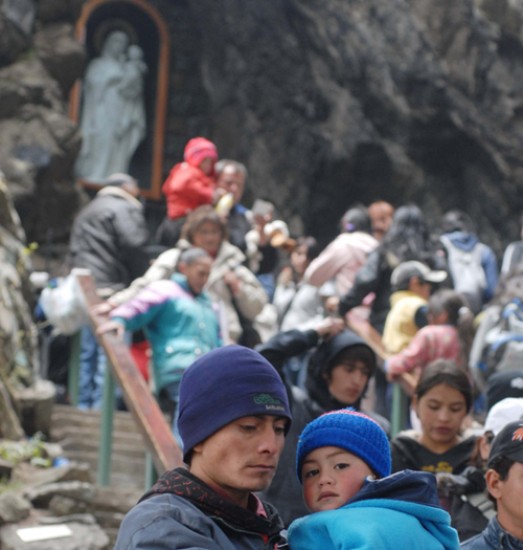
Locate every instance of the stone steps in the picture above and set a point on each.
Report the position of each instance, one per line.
(78, 432)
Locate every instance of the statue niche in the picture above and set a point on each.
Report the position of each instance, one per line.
(120, 104)
(113, 114)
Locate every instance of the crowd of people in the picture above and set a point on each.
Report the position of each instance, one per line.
(278, 362)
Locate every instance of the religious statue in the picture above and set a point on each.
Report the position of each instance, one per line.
(113, 113)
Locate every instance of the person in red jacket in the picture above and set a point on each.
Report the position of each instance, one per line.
(190, 184)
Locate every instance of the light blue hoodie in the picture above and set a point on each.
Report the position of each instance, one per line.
(399, 512)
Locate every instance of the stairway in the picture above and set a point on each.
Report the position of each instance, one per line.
(78, 432)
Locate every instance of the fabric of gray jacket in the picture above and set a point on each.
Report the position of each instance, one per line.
(170, 522)
(109, 237)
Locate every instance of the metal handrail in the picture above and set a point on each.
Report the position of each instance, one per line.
(157, 434)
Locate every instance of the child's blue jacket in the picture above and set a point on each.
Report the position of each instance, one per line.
(399, 512)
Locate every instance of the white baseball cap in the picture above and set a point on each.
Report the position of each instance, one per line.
(507, 410)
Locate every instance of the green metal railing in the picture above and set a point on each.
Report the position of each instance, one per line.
(398, 418)
(163, 452)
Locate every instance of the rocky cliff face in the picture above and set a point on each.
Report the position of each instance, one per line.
(328, 103)
(39, 62)
(334, 102)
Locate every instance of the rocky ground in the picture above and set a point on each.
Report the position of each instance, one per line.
(46, 484)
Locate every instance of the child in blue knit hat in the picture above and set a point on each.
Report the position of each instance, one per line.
(344, 463)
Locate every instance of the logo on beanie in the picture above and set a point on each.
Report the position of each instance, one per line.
(270, 402)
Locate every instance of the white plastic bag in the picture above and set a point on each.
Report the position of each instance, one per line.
(64, 305)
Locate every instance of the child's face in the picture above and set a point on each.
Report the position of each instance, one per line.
(197, 274)
(207, 166)
(331, 477)
(441, 411)
(347, 380)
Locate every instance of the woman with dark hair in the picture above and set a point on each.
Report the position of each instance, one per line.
(442, 400)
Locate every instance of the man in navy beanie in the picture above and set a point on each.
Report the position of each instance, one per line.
(233, 418)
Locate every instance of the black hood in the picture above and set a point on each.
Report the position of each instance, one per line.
(329, 349)
(320, 362)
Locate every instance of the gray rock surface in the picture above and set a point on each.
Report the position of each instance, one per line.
(83, 537)
(338, 102)
(328, 103)
(13, 508)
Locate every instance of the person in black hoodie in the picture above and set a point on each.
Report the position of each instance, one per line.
(338, 373)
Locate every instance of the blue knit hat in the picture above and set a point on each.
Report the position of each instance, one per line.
(350, 430)
(224, 385)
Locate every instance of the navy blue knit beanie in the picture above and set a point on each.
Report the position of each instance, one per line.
(224, 385)
(350, 430)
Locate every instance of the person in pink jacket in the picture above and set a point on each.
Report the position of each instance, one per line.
(343, 257)
(448, 336)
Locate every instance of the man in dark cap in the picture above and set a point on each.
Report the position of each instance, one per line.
(504, 479)
(233, 418)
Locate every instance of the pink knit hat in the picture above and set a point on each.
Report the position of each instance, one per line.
(198, 149)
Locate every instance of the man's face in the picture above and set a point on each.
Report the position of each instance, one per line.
(508, 495)
(331, 477)
(347, 380)
(241, 457)
(231, 181)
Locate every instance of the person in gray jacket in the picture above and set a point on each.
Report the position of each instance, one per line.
(233, 417)
(109, 237)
